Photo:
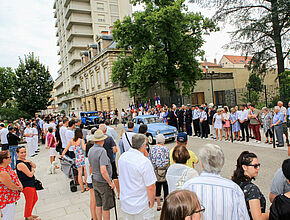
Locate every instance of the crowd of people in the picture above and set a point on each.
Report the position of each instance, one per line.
(138, 177)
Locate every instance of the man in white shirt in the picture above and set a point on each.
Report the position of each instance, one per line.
(3, 136)
(28, 133)
(127, 136)
(284, 124)
(195, 119)
(243, 119)
(137, 181)
(69, 134)
(222, 198)
(62, 132)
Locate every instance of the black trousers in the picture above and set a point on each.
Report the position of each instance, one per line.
(196, 127)
(180, 126)
(244, 127)
(188, 128)
(204, 127)
(159, 185)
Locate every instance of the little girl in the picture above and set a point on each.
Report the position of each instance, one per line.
(51, 144)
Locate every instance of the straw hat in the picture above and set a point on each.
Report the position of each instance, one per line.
(98, 136)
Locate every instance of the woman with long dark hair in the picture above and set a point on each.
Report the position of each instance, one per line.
(25, 172)
(247, 169)
(78, 146)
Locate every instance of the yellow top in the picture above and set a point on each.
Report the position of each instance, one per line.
(190, 162)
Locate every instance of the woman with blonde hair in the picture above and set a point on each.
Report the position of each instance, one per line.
(181, 205)
(218, 125)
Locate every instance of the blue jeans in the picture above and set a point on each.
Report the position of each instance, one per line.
(14, 157)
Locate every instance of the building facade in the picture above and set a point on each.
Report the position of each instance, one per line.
(79, 23)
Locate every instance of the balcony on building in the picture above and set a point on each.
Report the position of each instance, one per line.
(59, 61)
(66, 2)
(54, 4)
(75, 57)
(58, 82)
(78, 7)
(75, 45)
(57, 42)
(77, 32)
(56, 23)
(57, 32)
(75, 83)
(58, 52)
(78, 19)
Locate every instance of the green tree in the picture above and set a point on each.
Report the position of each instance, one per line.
(262, 29)
(254, 86)
(164, 41)
(285, 87)
(7, 80)
(34, 84)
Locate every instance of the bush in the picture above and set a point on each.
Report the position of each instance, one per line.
(12, 114)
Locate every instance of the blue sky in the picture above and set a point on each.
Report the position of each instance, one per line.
(28, 26)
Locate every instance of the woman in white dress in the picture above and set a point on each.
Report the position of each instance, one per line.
(218, 125)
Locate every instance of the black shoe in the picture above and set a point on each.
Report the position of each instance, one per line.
(280, 145)
(242, 139)
(33, 155)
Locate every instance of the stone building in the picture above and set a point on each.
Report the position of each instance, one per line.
(98, 92)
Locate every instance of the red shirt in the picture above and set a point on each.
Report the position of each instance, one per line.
(8, 196)
(49, 137)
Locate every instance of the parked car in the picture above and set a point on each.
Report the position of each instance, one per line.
(90, 118)
(155, 126)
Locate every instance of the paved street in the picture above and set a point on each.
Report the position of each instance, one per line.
(57, 202)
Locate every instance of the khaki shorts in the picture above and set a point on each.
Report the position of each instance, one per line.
(104, 195)
(145, 214)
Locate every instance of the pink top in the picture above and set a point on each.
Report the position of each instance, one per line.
(8, 196)
(50, 136)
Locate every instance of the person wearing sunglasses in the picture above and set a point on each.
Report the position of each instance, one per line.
(247, 169)
(10, 187)
(181, 205)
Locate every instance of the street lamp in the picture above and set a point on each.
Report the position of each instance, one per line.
(212, 93)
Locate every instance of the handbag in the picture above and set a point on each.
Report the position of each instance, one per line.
(38, 184)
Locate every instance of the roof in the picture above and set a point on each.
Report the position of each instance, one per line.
(209, 64)
(238, 59)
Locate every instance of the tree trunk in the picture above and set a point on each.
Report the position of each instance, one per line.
(277, 39)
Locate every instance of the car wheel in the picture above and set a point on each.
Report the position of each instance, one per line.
(150, 139)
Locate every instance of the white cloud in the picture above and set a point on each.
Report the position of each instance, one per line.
(28, 26)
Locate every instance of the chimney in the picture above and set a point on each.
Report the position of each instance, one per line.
(215, 61)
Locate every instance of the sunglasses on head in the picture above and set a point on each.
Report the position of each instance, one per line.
(255, 165)
(201, 210)
(8, 157)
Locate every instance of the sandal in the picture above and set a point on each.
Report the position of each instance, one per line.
(270, 142)
(83, 190)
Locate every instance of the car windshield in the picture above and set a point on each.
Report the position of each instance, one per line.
(93, 114)
(152, 120)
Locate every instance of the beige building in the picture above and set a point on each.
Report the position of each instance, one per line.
(79, 23)
(99, 93)
(238, 66)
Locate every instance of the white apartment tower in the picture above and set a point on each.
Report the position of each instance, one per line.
(79, 23)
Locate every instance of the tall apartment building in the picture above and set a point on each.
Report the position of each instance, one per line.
(79, 23)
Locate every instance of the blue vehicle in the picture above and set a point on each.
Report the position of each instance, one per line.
(155, 126)
(90, 118)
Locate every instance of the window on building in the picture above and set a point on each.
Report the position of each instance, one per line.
(101, 104)
(100, 6)
(92, 80)
(114, 18)
(89, 105)
(101, 18)
(99, 78)
(106, 75)
(109, 103)
(87, 84)
(197, 98)
(85, 106)
(114, 8)
(219, 97)
(95, 104)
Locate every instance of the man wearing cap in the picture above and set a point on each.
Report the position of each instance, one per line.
(182, 140)
(101, 176)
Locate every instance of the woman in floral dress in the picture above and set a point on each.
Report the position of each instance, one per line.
(79, 147)
(235, 124)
